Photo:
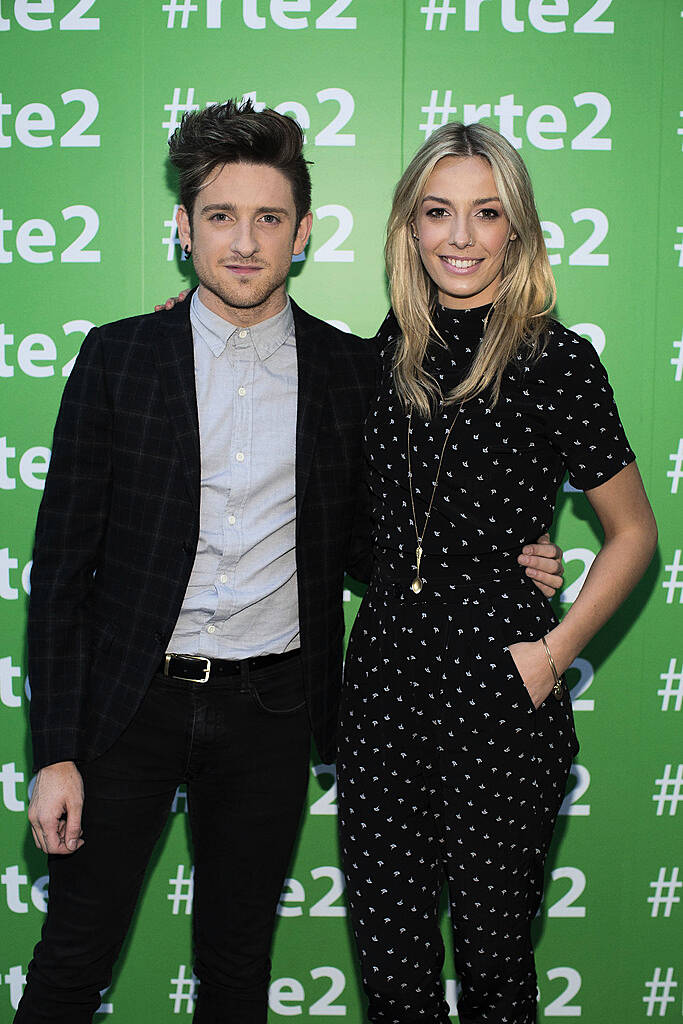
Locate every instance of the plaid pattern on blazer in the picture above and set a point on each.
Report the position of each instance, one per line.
(119, 522)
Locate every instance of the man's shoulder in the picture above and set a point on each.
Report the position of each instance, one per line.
(134, 340)
(142, 327)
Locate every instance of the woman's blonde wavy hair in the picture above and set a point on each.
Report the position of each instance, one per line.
(523, 300)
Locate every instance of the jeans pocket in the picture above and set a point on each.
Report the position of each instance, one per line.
(279, 690)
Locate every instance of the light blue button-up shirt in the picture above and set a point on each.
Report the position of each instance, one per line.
(241, 599)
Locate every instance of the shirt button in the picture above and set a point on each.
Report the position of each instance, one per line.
(242, 334)
(224, 578)
(241, 392)
(210, 629)
(232, 520)
(240, 456)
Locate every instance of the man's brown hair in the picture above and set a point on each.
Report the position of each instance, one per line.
(234, 132)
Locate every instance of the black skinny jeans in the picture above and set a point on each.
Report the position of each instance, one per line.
(241, 745)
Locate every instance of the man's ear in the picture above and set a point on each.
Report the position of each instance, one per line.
(184, 229)
(302, 233)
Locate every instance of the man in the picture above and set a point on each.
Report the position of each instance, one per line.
(185, 623)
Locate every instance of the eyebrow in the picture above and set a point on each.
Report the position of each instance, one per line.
(231, 208)
(447, 202)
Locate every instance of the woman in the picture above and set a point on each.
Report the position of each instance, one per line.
(456, 727)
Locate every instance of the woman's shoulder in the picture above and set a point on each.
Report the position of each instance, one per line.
(563, 351)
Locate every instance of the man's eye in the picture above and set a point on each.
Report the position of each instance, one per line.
(270, 218)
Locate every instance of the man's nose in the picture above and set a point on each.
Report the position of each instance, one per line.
(243, 240)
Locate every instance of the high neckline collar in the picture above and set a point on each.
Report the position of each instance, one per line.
(473, 315)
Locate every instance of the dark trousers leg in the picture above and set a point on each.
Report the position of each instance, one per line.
(244, 814)
(498, 828)
(393, 861)
(93, 892)
(493, 903)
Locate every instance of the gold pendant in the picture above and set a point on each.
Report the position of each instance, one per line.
(416, 585)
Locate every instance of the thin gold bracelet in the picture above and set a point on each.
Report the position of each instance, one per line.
(557, 686)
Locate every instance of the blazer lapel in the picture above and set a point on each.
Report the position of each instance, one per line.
(312, 366)
(172, 339)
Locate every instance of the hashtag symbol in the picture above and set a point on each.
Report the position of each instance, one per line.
(677, 472)
(679, 247)
(182, 7)
(670, 690)
(673, 583)
(670, 790)
(435, 108)
(185, 991)
(665, 892)
(182, 890)
(433, 9)
(175, 107)
(677, 361)
(660, 991)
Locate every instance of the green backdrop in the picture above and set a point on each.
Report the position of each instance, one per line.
(588, 90)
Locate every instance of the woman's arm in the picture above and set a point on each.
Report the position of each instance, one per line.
(630, 531)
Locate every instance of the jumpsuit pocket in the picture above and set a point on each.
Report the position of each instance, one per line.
(520, 679)
(519, 614)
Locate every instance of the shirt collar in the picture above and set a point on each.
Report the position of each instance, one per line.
(266, 337)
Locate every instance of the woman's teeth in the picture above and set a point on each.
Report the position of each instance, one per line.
(459, 264)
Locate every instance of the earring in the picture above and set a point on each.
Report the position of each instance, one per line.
(186, 250)
(416, 237)
(513, 236)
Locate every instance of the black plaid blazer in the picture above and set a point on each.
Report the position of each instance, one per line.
(118, 524)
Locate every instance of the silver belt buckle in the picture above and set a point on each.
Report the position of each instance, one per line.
(190, 657)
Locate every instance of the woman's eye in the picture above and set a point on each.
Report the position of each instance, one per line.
(437, 212)
(489, 214)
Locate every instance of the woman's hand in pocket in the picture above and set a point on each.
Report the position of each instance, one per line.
(532, 664)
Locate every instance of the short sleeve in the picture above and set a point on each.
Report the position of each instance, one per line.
(582, 419)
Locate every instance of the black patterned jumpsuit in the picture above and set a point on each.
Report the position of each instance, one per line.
(446, 769)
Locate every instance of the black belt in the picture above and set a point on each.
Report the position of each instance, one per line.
(196, 669)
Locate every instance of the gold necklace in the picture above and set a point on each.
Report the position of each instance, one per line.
(416, 585)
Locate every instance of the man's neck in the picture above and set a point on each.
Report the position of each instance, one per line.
(244, 316)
